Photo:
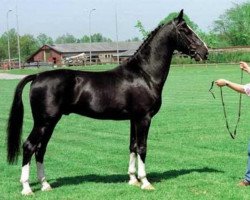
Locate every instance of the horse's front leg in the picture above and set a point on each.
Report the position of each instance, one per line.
(142, 128)
(132, 157)
(25, 179)
(41, 177)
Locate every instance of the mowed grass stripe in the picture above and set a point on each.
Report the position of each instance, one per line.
(190, 153)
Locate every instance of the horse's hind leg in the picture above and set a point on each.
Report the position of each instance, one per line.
(29, 148)
(39, 154)
(132, 158)
(33, 143)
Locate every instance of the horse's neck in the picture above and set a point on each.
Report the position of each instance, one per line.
(155, 57)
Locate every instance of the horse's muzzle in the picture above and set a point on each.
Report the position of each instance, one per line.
(201, 53)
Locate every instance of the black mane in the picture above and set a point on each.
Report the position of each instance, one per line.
(146, 41)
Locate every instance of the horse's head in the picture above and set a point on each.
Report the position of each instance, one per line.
(187, 40)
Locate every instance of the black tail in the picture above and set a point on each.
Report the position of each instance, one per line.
(15, 122)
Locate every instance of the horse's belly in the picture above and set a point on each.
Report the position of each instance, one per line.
(108, 114)
(100, 111)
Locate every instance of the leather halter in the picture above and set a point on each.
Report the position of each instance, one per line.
(189, 42)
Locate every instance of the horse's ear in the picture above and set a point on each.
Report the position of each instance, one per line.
(180, 16)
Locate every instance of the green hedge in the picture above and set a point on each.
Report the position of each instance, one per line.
(216, 57)
(229, 57)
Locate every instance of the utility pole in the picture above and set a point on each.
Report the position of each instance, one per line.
(8, 37)
(18, 41)
(90, 42)
(116, 30)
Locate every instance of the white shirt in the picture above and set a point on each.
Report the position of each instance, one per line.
(247, 89)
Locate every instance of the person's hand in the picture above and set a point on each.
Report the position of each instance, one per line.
(221, 82)
(244, 66)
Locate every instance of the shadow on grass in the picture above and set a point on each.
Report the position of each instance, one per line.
(117, 178)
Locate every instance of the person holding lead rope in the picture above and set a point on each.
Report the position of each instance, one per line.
(244, 89)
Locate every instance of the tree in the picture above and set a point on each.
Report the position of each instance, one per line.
(3, 48)
(85, 39)
(12, 35)
(43, 39)
(141, 29)
(66, 38)
(233, 26)
(97, 37)
(28, 45)
(172, 15)
(167, 19)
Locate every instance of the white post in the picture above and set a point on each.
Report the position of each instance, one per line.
(18, 41)
(117, 44)
(90, 42)
(8, 37)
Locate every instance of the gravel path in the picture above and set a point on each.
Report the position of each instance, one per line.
(11, 76)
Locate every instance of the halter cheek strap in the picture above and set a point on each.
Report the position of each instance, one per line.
(188, 41)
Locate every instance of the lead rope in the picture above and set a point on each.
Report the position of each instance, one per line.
(232, 134)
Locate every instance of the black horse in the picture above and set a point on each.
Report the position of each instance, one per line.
(132, 91)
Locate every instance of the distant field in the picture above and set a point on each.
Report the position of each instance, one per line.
(32, 70)
(190, 154)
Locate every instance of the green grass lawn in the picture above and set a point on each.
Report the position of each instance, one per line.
(190, 154)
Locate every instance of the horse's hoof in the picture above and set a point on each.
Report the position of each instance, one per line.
(46, 186)
(27, 192)
(135, 183)
(147, 187)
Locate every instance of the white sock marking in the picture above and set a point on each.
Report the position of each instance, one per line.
(132, 160)
(142, 173)
(132, 169)
(141, 168)
(25, 173)
(25, 180)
